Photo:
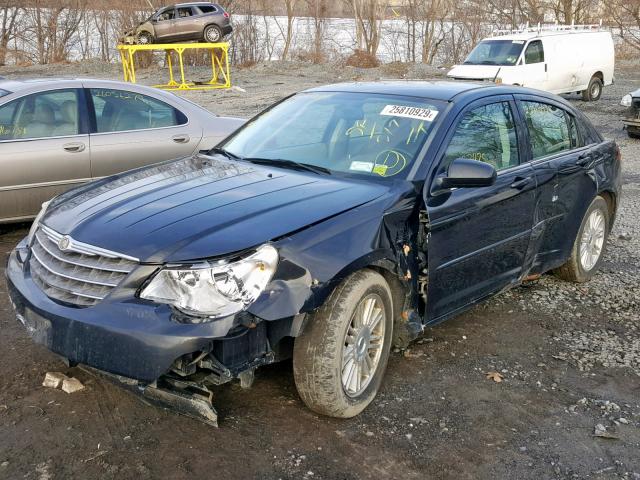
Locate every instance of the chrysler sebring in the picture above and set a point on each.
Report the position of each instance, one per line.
(333, 225)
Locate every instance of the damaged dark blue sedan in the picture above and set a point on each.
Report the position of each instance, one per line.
(335, 224)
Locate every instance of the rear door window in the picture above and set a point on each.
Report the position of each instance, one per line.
(185, 12)
(549, 129)
(486, 134)
(40, 115)
(120, 110)
(534, 52)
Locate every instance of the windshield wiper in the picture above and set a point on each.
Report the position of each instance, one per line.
(281, 162)
(226, 153)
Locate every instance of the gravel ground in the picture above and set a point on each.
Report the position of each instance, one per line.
(568, 405)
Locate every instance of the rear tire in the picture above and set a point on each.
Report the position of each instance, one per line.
(212, 34)
(587, 251)
(340, 358)
(593, 91)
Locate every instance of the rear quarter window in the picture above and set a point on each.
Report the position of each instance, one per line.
(207, 9)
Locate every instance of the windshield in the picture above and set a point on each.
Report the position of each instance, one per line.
(495, 52)
(363, 133)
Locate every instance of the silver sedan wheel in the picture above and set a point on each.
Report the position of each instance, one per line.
(363, 345)
(592, 240)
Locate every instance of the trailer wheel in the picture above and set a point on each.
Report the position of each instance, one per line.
(593, 91)
(340, 358)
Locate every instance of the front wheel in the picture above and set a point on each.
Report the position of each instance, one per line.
(593, 91)
(589, 245)
(340, 358)
(144, 38)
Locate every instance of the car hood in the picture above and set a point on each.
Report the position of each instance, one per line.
(200, 207)
(474, 71)
(635, 94)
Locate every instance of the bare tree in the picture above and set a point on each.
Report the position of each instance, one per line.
(8, 15)
(626, 16)
(368, 16)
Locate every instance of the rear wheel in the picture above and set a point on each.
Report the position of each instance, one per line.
(593, 91)
(212, 34)
(340, 358)
(589, 245)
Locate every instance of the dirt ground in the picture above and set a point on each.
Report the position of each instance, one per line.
(569, 356)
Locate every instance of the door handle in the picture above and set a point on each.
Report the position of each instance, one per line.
(519, 183)
(74, 147)
(181, 138)
(584, 160)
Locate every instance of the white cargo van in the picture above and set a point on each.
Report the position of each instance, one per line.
(558, 59)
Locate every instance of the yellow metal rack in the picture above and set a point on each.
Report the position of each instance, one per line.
(221, 77)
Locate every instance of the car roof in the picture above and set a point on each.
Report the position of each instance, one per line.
(437, 90)
(19, 85)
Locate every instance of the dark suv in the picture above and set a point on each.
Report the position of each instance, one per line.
(199, 21)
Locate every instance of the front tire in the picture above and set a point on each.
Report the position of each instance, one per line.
(340, 358)
(589, 246)
(144, 38)
(593, 91)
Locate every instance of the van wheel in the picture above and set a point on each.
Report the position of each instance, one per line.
(589, 246)
(593, 91)
(340, 358)
(212, 34)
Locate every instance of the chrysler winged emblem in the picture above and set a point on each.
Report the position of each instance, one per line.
(64, 243)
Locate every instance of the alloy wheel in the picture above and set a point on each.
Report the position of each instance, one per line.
(592, 240)
(363, 344)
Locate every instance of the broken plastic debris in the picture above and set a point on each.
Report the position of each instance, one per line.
(54, 379)
(601, 431)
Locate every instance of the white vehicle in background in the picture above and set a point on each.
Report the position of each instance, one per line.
(558, 59)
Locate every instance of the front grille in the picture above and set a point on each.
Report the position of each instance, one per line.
(78, 273)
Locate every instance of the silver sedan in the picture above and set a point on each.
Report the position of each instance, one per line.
(57, 133)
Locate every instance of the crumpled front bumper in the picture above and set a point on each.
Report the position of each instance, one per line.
(122, 334)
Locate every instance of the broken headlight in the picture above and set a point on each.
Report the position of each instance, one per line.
(36, 222)
(214, 289)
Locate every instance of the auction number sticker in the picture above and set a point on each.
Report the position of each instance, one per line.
(417, 113)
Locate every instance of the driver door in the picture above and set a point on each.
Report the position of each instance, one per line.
(534, 69)
(164, 25)
(478, 237)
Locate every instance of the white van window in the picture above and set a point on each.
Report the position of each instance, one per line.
(495, 52)
(534, 52)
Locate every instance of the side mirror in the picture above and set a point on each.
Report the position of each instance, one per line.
(467, 173)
